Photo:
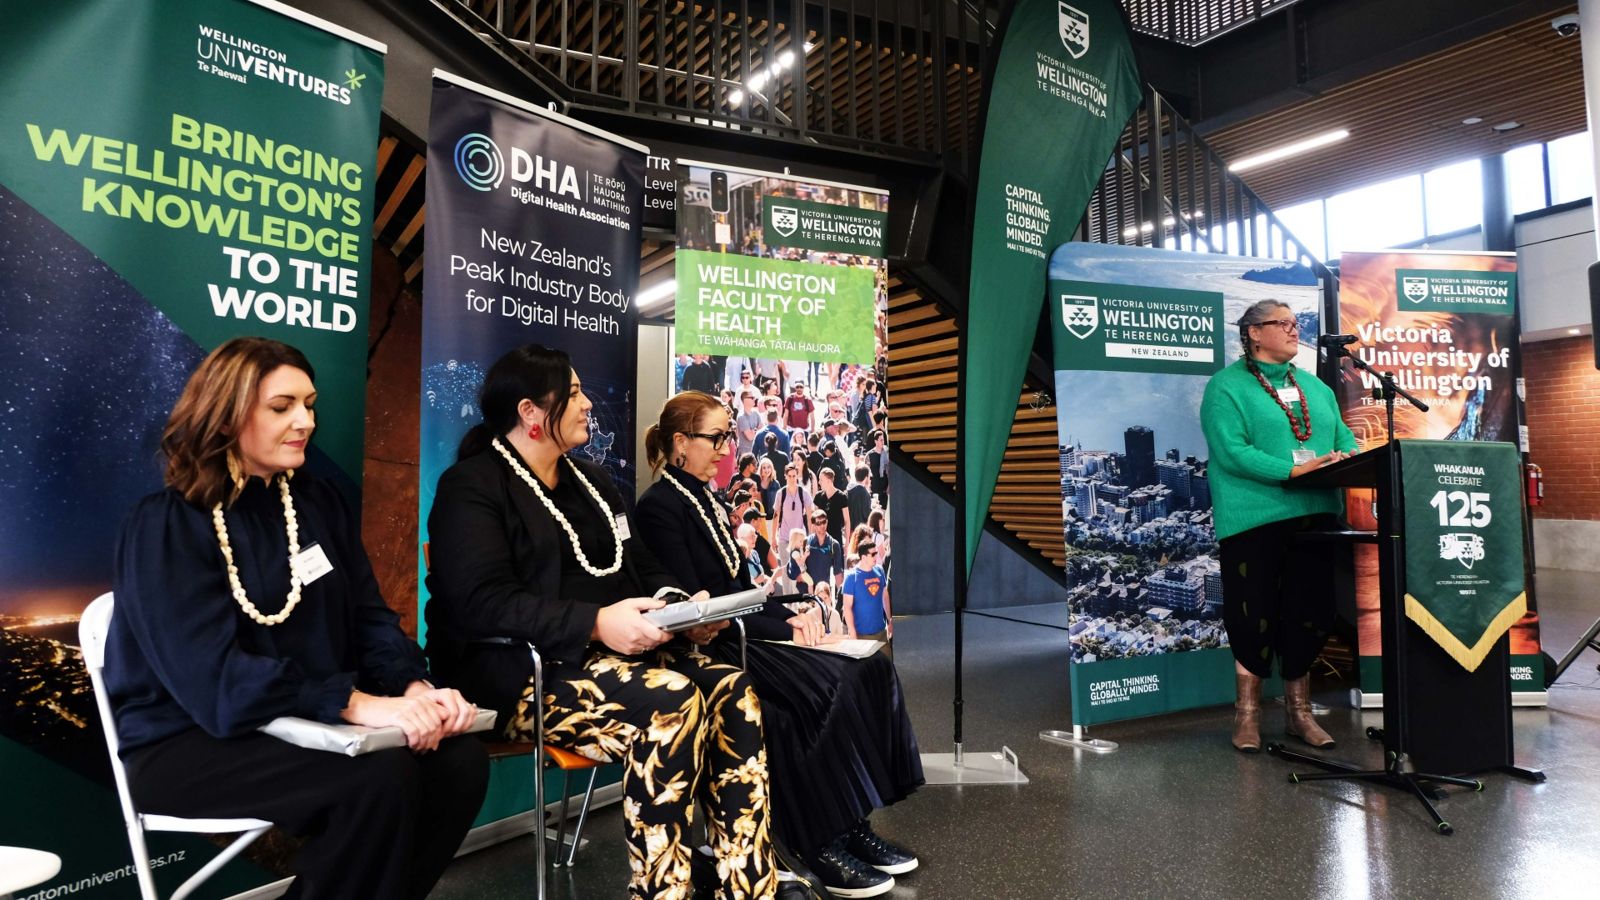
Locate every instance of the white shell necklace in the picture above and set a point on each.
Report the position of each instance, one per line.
(293, 529)
(572, 534)
(730, 561)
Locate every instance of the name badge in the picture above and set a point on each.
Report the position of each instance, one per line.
(1302, 456)
(1289, 394)
(310, 564)
(622, 526)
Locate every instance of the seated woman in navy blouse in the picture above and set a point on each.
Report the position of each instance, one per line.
(213, 637)
(838, 737)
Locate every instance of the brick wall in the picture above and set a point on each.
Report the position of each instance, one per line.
(1563, 409)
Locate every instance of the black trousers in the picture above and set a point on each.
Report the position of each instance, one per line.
(1277, 595)
(383, 824)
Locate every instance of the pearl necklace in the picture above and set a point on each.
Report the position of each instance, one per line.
(293, 529)
(729, 561)
(572, 534)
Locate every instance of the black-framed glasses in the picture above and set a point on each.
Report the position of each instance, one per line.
(1289, 326)
(717, 439)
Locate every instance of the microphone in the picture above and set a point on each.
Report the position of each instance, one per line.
(1336, 340)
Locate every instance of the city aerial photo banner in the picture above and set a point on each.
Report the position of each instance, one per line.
(173, 173)
(1141, 331)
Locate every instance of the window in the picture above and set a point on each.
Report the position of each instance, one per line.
(1525, 175)
(1571, 168)
(1376, 216)
(1455, 197)
(1305, 222)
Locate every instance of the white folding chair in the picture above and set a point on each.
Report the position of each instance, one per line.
(92, 629)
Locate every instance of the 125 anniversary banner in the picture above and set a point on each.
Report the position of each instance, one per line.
(173, 173)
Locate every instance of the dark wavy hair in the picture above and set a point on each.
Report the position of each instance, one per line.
(202, 433)
(530, 372)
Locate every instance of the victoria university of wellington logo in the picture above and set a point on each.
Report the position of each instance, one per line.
(785, 219)
(1080, 313)
(1074, 24)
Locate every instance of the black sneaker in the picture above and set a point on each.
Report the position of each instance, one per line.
(873, 849)
(845, 876)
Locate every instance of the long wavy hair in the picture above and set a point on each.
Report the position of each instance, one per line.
(201, 440)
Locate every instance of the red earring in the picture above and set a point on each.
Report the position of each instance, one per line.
(535, 432)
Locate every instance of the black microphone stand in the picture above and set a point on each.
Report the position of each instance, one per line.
(1397, 771)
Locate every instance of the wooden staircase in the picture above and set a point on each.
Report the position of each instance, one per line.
(923, 347)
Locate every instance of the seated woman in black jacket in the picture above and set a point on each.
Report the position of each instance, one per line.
(532, 545)
(241, 597)
(839, 738)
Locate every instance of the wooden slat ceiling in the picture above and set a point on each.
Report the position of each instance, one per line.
(1408, 119)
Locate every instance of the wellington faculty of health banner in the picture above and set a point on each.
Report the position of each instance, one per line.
(1063, 85)
(1464, 576)
(534, 229)
(782, 311)
(1445, 324)
(1137, 334)
(173, 173)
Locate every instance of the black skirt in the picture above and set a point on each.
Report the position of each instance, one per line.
(839, 741)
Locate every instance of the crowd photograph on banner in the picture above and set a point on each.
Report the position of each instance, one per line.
(808, 480)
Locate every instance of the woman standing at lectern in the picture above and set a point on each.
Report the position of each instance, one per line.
(1266, 421)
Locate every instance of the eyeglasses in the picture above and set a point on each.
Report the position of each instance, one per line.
(1289, 326)
(717, 439)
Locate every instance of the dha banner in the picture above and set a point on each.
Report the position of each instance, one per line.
(1445, 324)
(1064, 82)
(782, 311)
(173, 173)
(534, 228)
(1137, 334)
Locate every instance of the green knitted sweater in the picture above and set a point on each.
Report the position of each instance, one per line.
(1251, 447)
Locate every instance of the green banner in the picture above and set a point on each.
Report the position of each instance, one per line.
(219, 157)
(1463, 532)
(730, 304)
(1064, 82)
(829, 227)
(1455, 290)
(1135, 328)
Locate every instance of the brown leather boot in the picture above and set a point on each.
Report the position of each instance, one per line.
(1247, 712)
(1300, 723)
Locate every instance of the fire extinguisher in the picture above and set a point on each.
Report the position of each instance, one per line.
(1535, 485)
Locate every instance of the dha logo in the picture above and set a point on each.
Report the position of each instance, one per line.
(785, 219)
(1074, 24)
(478, 162)
(1080, 313)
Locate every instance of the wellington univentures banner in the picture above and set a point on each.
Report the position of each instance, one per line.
(1445, 325)
(782, 311)
(1137, 334)
(1063, 85)
(173, 173)
(533, 237)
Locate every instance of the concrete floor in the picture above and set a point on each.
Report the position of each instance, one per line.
(1175, 812)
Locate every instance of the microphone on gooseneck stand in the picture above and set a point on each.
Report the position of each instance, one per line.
(1329, 341)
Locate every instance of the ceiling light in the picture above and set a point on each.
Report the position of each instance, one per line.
(1130, 231)
(809, 46)
(1574, 331)
(1146, 228)
(758, 80)
(1508, 126)
(1288, 150)
(662, 291)
(736, 98)
(786, 58)
(1472, 120)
